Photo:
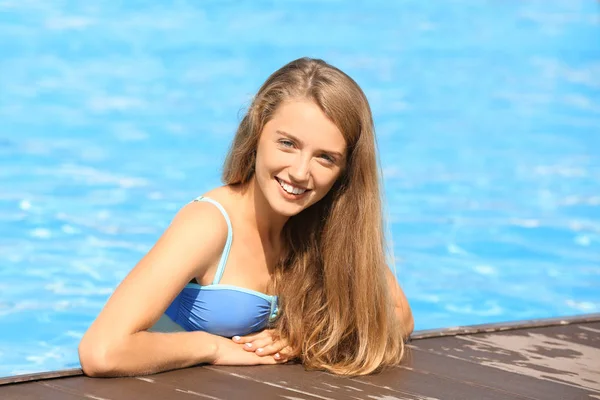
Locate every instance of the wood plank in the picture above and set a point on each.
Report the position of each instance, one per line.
(476, 374)
(311, 384)
(391, 384)
(506, 326)
(40, 375)
(530, 353)
(35, 391)
(221, 385)
(121, 388)
(585, 334)
(426, 385)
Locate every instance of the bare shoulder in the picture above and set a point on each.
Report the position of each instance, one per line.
(199, 221)
(225, 195)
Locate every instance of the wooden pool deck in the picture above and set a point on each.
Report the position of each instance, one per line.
(541, 359)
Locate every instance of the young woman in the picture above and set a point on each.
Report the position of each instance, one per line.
(285, 261)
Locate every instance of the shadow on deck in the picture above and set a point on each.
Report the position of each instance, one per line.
(541, 359)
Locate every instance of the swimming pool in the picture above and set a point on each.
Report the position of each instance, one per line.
(114, 116)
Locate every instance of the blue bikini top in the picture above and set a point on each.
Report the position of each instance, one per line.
(224, 310)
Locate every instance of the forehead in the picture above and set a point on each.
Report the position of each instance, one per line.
(305, 120)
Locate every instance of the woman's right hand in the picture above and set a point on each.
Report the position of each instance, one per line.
(231, 353)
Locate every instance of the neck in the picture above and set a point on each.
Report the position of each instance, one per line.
(259, 214)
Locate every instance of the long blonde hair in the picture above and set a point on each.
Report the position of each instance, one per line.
(336, 311)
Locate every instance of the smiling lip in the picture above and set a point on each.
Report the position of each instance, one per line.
(291, 184)
(290, 196)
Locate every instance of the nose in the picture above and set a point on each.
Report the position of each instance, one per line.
(299, 170)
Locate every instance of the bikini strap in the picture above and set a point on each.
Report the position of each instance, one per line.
(225, 255)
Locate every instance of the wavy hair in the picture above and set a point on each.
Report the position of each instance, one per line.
(336, 311)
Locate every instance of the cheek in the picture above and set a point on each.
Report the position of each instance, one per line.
(326, 180)
(272, 161)
(262, 159)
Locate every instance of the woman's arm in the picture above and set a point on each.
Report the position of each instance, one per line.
(117, 343)
(402, 307)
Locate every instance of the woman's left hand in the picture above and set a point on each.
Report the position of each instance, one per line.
(265, 343)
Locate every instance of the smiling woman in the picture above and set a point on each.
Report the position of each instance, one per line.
(302, 163)
(285, 261)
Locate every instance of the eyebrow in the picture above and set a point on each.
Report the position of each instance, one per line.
(289, 135)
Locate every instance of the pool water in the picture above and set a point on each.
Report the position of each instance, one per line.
(113, 116)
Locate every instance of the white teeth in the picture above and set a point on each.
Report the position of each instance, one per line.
(290, 189)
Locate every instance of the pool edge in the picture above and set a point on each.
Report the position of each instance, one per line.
(504, 326)
(417, 335)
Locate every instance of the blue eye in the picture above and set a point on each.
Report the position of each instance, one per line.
(286, 143)
(328, 158)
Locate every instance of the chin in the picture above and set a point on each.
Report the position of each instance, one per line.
(286, 209)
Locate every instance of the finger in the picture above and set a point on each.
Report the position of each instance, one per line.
(280, 358)
(272, 348)
(258, 344)
(247, 338)
(287, 352)
(253, 336)
(267, 360)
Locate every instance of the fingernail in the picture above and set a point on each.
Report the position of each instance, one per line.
(277, 356)
(249, 345)
(236, 338)
(259, 350)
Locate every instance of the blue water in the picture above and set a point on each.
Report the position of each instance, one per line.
(113, 116)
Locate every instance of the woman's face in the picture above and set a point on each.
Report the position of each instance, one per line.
(300, 155)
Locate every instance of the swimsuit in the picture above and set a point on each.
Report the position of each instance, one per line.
(224, 310)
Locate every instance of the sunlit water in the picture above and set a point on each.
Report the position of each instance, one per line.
(114, 116)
